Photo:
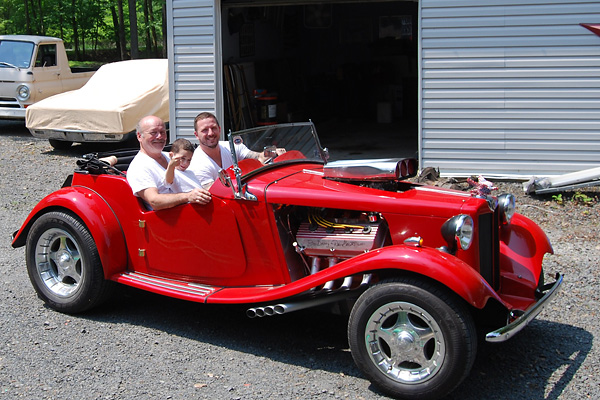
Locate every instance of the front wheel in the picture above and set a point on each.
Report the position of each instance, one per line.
(63, 263)
(411, 338)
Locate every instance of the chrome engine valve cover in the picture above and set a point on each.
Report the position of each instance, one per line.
(337, 242)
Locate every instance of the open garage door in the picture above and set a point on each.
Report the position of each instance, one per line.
(350, 67)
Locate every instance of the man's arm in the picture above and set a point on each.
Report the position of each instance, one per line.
(160, 201)
(266, 155)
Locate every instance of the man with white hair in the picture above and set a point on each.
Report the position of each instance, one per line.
(146, 173)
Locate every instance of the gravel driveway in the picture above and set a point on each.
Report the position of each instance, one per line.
(143, 346)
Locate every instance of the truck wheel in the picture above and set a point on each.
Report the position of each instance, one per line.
(411, 338)
(63, 263)
(60, 144)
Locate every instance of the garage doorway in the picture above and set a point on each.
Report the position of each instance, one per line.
(350, 67)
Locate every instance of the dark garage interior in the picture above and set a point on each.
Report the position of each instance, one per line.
(351, 68)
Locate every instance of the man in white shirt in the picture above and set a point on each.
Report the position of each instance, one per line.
(214, 154)
(146, 173)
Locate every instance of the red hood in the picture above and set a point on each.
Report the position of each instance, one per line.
(307, 187)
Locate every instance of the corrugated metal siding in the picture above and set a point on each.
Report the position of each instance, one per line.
(192, 38)
(509, 88)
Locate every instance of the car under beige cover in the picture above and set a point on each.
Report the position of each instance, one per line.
(111, 102)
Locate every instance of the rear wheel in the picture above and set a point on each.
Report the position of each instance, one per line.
(63, 263)
(411, 338)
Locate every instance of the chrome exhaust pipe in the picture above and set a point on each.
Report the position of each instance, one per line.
(346, 291)
(329, 286)
(366, 280)
(269, 311)
(283, 308)
(266, 311)
(314, 268)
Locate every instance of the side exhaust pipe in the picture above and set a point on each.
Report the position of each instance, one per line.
(277, 309)
(283, 308)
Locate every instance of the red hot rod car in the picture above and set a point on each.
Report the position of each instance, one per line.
(419, 266)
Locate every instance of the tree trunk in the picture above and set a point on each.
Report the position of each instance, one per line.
(35, 27)
(41, 14)
(75, 30)
(164, 29)
(61, 22)
(133, 30)
(122, 30)
(147, 28)
(27, 18)
(153, 30)
(115, 19)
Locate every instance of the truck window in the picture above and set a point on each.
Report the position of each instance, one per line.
(15, 53)
(46, 55)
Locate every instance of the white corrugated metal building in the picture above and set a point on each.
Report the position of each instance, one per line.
(495, 87)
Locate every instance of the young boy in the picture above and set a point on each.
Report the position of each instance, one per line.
(178, 176)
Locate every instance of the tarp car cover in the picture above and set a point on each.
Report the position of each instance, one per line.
(112, 101)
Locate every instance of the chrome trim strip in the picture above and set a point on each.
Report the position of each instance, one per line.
(506, 332)
(360, 169)
(375, 169)
(169, 284)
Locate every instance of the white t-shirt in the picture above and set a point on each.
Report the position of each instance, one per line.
(144, 172)
(207, 170)
(185, 181)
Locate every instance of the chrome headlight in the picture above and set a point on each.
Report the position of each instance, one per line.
(458, 231)
(506, 207)
(23, 92)
(492, 202)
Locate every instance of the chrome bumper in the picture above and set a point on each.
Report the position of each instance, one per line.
(12, 113)
(506, 332)
(80, 136)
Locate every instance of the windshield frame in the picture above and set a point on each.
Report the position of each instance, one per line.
(306, 129)
(300, 138)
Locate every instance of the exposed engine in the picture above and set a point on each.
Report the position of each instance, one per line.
(320, 238)
(343, 237)
(315, 239)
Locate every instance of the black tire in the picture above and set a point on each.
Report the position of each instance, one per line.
(411, 338)
(60, 144)
(63, 264)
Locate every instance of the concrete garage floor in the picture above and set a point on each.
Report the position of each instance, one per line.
(350, 140)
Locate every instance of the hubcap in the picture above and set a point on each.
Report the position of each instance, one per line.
(405, 342)
(58, 262)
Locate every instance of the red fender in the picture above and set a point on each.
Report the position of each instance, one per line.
(525, 242)
(442, 267)
(523, 245)
(97, 217)
(450, 271)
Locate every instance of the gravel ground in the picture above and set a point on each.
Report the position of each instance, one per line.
(141, 345)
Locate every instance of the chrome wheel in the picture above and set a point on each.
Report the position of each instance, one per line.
(412, 337)
(58, 261)
(405, 342)
(63, 263)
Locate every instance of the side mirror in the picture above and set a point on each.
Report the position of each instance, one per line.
(224, 178)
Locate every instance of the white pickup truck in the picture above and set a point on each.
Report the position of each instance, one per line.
(31, 69)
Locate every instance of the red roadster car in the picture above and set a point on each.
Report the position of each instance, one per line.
(417, 266)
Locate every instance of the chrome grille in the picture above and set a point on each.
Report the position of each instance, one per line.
(489, 249)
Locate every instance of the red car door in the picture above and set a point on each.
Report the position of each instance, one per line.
(193, 241)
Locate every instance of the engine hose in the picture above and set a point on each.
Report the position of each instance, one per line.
(327, 224)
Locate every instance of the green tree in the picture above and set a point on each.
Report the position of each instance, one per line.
(87, 26)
